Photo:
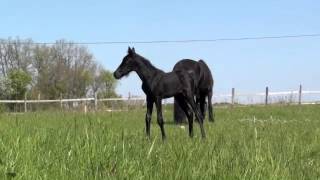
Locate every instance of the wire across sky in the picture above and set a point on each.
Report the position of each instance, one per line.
(316, 35)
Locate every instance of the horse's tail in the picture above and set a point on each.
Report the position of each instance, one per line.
(201, 61)
(179, 115)
(210, 83)
(205, 71)
(203, 66)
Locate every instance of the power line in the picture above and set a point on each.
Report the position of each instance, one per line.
(180, 41)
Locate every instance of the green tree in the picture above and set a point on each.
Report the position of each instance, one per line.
(17, 83)
(107, 84)
(63, 68)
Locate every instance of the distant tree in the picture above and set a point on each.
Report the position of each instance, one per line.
(17, 83)
(50, 70)
(108, 84)
(15, 54)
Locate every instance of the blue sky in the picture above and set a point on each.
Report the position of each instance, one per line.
(248, 66)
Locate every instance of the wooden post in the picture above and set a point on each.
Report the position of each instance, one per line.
(85, 106)
(232, 96)
(112, 108)
(39, 97)
(129, 97)
(25, 102)
(300, 94)
(61, 101)
(95, 101)
(267, 95)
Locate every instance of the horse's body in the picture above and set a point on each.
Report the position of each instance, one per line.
(204, 84)
(158, 85)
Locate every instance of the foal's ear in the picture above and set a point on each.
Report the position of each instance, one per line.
(131, 51)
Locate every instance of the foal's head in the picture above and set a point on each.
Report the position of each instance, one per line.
(128, 64)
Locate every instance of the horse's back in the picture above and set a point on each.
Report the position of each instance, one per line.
(202, 73)
(190, 66)
(186, 64)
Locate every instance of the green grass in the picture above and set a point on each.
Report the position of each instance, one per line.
(279, 142)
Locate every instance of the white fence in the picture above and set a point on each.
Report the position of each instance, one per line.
(234, 98)
(268, 97)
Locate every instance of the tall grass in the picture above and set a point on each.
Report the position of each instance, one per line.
(244, 143)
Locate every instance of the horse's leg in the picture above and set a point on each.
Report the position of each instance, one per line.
(202, 102)
(159, 117)
(210, 107)
(198, 103)
(184, 106)
(178, 113)
(192, 103)
(149, 115)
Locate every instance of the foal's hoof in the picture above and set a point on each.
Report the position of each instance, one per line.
(203, 135)
(191, 135)
(164, 138)
(148, 137)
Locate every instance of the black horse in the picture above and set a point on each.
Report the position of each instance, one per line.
(204, 84)
(158, 85)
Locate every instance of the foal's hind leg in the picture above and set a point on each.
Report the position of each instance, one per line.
(192, 103)
(184, 106)
(160, 118)
(148, 115)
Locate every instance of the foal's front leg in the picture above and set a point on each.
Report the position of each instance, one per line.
(148, 115)
(159, 117)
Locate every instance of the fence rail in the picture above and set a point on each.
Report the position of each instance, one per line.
(294, 96)
(290, 97)
(270, 93)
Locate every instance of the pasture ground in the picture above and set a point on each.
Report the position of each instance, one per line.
(274, 142)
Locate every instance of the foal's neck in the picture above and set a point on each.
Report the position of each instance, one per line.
(146, 71)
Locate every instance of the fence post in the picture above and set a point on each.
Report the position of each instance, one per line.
(95, 101)
(85, 106)
(112, 108)
(38, 105)
(300, 94)
(129, 97)
(164, 105)
(25, 102)
(61, 101)
(232, 96)
(267, 95)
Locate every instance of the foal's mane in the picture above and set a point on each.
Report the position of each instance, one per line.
(147, 63)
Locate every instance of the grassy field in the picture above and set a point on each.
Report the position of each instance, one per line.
(280, 142)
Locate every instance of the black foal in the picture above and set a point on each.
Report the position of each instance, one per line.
(158, 85)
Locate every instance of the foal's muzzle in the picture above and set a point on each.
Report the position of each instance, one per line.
(117, 75)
